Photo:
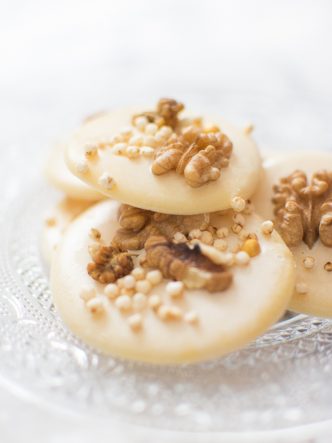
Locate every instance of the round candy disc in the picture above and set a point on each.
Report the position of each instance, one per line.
(313, 264)
(57, 221)
(59, 176)
(123, 171)
(201, 325)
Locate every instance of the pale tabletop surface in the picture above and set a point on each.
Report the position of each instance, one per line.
(253, 61)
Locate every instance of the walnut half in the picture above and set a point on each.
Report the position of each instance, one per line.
(166, 113)
(137, 225)
(108, 263)
(189, 265)
(303, 210)
(195, 154)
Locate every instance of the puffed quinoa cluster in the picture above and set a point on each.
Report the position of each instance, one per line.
(132, 294)
(135, 141)
(140, 139)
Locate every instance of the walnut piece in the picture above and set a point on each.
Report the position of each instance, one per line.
(137, 225)
(193, 151)
(108, 263)
(303, 211)
(197, 155)
(189, 265)
(166, 113)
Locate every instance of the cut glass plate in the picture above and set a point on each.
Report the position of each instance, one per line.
(281, 380)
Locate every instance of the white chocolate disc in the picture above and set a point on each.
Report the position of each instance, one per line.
(56, 222)
(227, 320)
(134, 183)
(314, 286)
(59, 176)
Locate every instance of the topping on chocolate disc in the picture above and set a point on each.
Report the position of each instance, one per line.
(189, 265)
(165, 114)
(108, 263)
(196, 155)
(303, 210)
(137, 225)
(192, 150)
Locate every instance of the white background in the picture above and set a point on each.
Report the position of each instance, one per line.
(263, 61)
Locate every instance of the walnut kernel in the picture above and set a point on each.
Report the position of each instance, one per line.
(179, 262)
(108, 263)
(303, 210)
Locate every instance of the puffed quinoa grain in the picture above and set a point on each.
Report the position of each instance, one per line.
(169, 313)
(112, 290)
(238, 204)
(195, 233)
(140, 123)
(220, 244)
(132, 151)
(191, 317)
(128, 291)
(147, 151)
(95, 234)
(222, 232)
(96, 305)
(207, 238)
(119, 148)
(179, 237)
(138, 273)
(129, 281)
(239, 219)
(120, 283)
(136, 140)
(135, 321)
(82, 167)
(87, 294)
(149, 140)
(175, 288)
(267, 227)
(139, 300)
(242, 258)
(151, 129)
(90, 150)
(143, 286)
(308, 262)
(236, 228)
(165, 131)
(154, 301)
(106, 181)
(154, 277)
(123, 303)
(251, 246)
(248, 129)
